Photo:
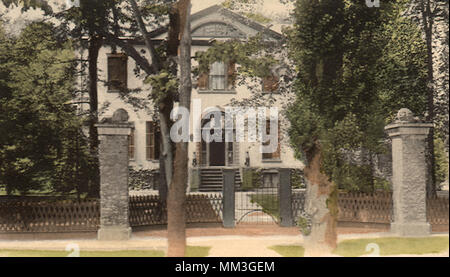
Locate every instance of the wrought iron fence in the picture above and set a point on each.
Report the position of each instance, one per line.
(298, 203)
(262, 206)
(37, 215)
(377, 208)
(51, 215)
(365, 208)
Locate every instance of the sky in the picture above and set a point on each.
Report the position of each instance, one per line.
(272, 9)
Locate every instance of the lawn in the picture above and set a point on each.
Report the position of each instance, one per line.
(289, 250)
(393, 246)
(269, 203)
(191, 251)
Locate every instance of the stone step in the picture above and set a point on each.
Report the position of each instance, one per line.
(212, 180)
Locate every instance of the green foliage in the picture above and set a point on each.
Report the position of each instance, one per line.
(441, 164)
(251, 179)
(332, 202)
(163, 84)
(305, 224)
(41, 144)
(142, 178)
(393, 246)
(381, 184)
(297, 179)
(269, 202)
(250, 55)
(257, 17)
(401, 74)
(289, 250)
(355, 68)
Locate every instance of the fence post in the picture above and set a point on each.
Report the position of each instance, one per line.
(285, 193)
(409, 168)
(228, 198)
(113, 156)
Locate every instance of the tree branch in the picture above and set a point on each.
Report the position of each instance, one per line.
(131, 51)
(156, 64)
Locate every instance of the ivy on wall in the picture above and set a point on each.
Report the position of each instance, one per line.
(142, 179)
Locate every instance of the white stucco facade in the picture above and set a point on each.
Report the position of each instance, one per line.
(203, 23)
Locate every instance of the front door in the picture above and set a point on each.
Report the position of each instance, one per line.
(217, 153)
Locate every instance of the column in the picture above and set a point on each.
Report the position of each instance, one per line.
(113, 157)
(409, 169)
(228, 198)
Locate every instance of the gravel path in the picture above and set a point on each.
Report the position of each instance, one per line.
(221, 246)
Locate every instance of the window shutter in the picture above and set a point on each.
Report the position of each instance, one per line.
(123, 72)
(131, 145)
(270, 83)
(150, 140)
(157, 141)
(203, 81)
(231, 75)
(199, 153)
(153, 138)
(277, 153)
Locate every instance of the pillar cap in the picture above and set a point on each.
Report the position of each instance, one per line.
(116, 125)
(114, 129)
(407, 124)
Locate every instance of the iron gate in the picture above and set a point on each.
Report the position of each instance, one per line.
(265, 197)
(259, 205)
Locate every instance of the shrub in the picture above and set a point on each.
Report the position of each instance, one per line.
(251, 179)
(297, 179)
(305, 223)
(143, 179)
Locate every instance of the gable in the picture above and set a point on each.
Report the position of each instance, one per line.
(218, 22)
(218, 30)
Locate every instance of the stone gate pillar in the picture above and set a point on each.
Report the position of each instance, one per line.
(409, 178)
(113, 157)
(285, 196)
(228, 197)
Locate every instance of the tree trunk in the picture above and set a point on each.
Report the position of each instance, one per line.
(95, 44)
(321, 205)
(428, 22)
(166, 159)
(177, 190)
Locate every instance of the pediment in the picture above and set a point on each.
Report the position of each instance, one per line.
(218, 22)
(217, 30)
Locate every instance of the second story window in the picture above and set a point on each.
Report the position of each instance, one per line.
(153, 135)
(217, 76)
(221, 77)
(117, 72)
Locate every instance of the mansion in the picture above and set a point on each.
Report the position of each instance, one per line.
(213, 90)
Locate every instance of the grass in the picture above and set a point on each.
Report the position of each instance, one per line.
(197, 251)
(43, 192)
(269, 203)
(191, 251)
(289, 250)
(393, 246)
